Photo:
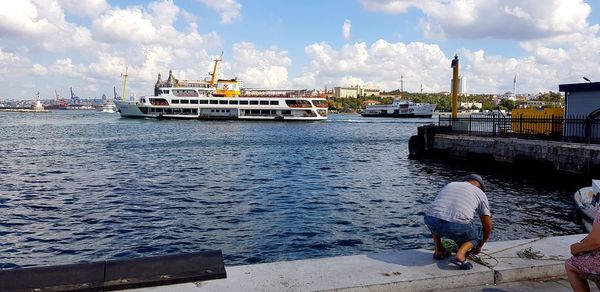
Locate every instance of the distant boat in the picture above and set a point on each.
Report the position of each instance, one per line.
(109, 106)
(400, 108)
(587, 200)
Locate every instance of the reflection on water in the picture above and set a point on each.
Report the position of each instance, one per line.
(82, 186)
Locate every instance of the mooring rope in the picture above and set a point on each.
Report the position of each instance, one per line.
(490, 261)
(527, 253)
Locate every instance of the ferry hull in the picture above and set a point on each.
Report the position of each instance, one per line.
(380, 115)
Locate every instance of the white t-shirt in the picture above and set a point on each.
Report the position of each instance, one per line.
(458, 202)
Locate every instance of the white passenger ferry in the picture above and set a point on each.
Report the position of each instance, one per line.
(400, 108)
(223, 99)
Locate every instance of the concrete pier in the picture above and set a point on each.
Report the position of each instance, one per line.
(407, 270)
(572, 158)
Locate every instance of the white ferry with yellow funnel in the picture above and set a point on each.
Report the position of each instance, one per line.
(223, 99)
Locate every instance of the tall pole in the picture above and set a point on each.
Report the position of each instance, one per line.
(455, 87)
(124, 85)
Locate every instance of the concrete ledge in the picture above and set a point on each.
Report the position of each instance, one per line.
(511, 267)
(408, 270)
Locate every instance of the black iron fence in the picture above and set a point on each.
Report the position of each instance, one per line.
(572, 129)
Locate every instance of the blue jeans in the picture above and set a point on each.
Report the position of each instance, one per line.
(458, 232)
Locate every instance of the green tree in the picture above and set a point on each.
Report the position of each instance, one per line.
(507, 104)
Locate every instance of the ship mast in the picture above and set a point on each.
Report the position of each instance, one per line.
(213, 75)
(124, 84)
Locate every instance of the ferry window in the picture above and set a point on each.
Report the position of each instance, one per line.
(223, 102)
(274, 102)
(175, 101)
(264, 102)
(286, 112)
(212, 111)
(185, 101)
(203, 101)
(265, 112)
(194, 111)
(194, 101)
(233, 102)
(254, 102)
(243, 102)
(255, 112)
(214, 102)
(227, 110)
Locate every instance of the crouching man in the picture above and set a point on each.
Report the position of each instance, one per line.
(450, 216)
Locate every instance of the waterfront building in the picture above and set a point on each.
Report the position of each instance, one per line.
(471, 105)
(355, 91)
(581, 99)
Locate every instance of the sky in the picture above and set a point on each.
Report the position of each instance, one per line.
(52, 45)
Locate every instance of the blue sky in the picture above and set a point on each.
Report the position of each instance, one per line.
(55, 44)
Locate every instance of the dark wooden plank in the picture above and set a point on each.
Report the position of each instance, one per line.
(72, 277)
(164, 270)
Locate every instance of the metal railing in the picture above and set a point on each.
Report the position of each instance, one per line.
(557, 128)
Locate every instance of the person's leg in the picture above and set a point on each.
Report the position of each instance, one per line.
(461, 253)
(576, 279)
(439, 250)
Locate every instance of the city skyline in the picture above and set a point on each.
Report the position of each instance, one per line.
(56, 44)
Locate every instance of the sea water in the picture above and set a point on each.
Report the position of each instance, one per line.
(87, 186)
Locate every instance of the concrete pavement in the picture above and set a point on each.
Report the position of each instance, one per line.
(406, 270)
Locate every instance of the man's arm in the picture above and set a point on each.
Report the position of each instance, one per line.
(486, 223)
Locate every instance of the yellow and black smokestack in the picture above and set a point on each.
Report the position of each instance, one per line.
(454, 87)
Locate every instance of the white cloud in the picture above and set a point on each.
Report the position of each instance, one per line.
(258, 68)
(85, 8)
(503, 19)
(65, 67)
(41, 24)
(346, 29)
(12, 65)
(126, 25)
(230, 9)
(39, 70)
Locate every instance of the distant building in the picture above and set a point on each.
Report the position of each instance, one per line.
(508, 95)
(471, 105)
(370, 102)
(354, 91)
(462, 86)
(582, 100)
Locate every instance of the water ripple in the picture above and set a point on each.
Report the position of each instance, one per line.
(84, 186)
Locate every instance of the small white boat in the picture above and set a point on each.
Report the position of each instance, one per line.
(400, 108)
(588, 201)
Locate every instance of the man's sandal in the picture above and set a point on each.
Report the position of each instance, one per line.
(444, 255)
(464, 265)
